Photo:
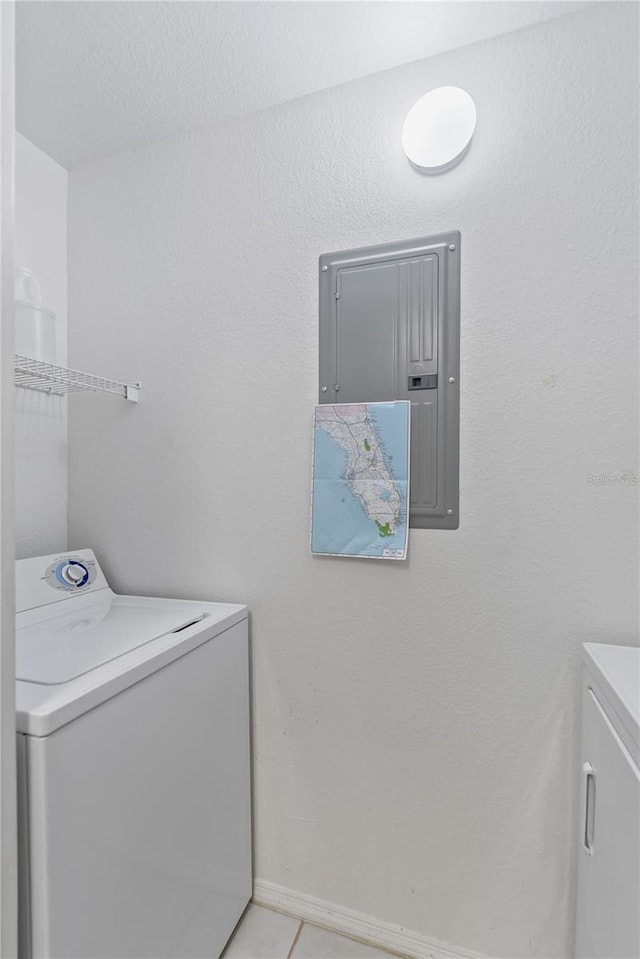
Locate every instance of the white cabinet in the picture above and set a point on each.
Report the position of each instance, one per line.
(608, 905)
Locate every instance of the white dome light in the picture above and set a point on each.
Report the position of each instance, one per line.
(438, 130)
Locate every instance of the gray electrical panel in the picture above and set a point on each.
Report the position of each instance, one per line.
(390, 330)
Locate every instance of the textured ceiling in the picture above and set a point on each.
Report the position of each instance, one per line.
(95, 76)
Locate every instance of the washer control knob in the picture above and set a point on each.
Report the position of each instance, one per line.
(74, 573)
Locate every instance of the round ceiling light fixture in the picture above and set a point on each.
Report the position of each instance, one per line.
(438, 130)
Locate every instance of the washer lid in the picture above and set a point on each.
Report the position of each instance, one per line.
(61, 648)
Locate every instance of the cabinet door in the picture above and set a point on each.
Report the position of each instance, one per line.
(608, 922)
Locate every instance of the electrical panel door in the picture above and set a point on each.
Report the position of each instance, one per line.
(390, 330)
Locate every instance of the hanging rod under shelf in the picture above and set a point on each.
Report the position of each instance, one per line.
(58, 380)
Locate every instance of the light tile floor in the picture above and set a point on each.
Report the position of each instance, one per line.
(264, 934)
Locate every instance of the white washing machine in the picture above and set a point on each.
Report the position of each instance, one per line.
(608, 906)
(133, 766)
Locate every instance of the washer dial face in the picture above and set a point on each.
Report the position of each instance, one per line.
(70, 573)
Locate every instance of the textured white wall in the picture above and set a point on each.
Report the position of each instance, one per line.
(415, 724)
(41, 421)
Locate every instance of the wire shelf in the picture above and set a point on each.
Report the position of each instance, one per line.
(34, 374)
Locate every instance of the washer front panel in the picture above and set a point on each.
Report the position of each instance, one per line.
(153, 857)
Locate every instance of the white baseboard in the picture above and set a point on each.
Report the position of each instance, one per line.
(356, 925)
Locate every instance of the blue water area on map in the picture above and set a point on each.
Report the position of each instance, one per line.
(339, 523)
